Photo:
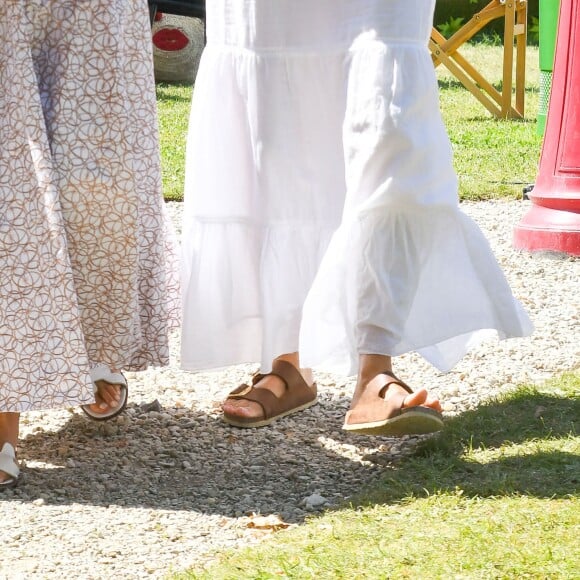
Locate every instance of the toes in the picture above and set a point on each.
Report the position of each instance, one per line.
(234, 403)
(422, 398)
(99, 407)
(249, 409)
(107, 397)
(108, 394)
(112, 394)
(238, 409)
(433, 403)
(415, 399)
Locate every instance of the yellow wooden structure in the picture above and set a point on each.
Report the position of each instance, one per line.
(446, 51)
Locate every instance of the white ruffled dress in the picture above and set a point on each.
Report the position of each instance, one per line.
(321, 208)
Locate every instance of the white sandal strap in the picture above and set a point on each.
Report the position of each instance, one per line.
(8, 461)
(103, 373)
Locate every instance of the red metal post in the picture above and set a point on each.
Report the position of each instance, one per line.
(553, 222)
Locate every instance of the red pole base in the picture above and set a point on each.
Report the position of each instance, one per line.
(546, 229)
(553, 223)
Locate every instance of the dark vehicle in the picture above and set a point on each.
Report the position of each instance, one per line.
(192, 8)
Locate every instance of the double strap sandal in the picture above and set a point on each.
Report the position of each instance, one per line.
(297, 396)
(379, 412)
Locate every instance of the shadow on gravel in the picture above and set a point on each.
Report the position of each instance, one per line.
(524, 444)
(179, 459)
(182, 459)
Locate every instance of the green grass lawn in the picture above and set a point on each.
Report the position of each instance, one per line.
(495, 495)
(493, 158)
(173, 102)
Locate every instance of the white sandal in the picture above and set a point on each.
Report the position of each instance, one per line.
(103, 373)
(9, 466)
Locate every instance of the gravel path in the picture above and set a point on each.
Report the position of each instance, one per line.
(167, 484)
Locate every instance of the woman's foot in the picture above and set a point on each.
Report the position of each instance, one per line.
(241, 410)
(107, 398)
(384, 405)
(111, 393)
(419, 398)
(372, 365)
(9, 429)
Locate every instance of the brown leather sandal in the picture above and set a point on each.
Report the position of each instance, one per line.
(297, 396)
(376, 415)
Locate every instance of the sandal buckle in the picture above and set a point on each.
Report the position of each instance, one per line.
(241, 393)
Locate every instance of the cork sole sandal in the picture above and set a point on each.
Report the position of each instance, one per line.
(297, 396)
(375, 414)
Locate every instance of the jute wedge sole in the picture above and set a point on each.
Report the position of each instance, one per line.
(411, 421)
(381, 412)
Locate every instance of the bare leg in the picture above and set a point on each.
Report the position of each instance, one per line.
(9, 429)
(250, 409)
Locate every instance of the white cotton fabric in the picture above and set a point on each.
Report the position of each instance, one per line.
(321, 208)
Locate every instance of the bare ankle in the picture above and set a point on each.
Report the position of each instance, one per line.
(370, 365)
(9, 428)
(293, 358)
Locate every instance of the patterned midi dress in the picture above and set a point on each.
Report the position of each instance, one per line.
(87, 257)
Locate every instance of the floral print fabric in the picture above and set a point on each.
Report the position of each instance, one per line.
(87, 261)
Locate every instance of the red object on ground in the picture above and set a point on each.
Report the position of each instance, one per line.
(170, 39)
(553, 222)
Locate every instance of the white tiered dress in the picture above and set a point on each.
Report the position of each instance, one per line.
(321, 207)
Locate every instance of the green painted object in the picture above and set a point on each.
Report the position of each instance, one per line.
(549, 10)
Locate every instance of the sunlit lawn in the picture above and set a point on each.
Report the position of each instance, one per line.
(495, 495)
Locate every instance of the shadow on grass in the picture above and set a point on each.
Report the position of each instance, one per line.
(453, 83)
(174, 92)
(483, 118)
(519, 445)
